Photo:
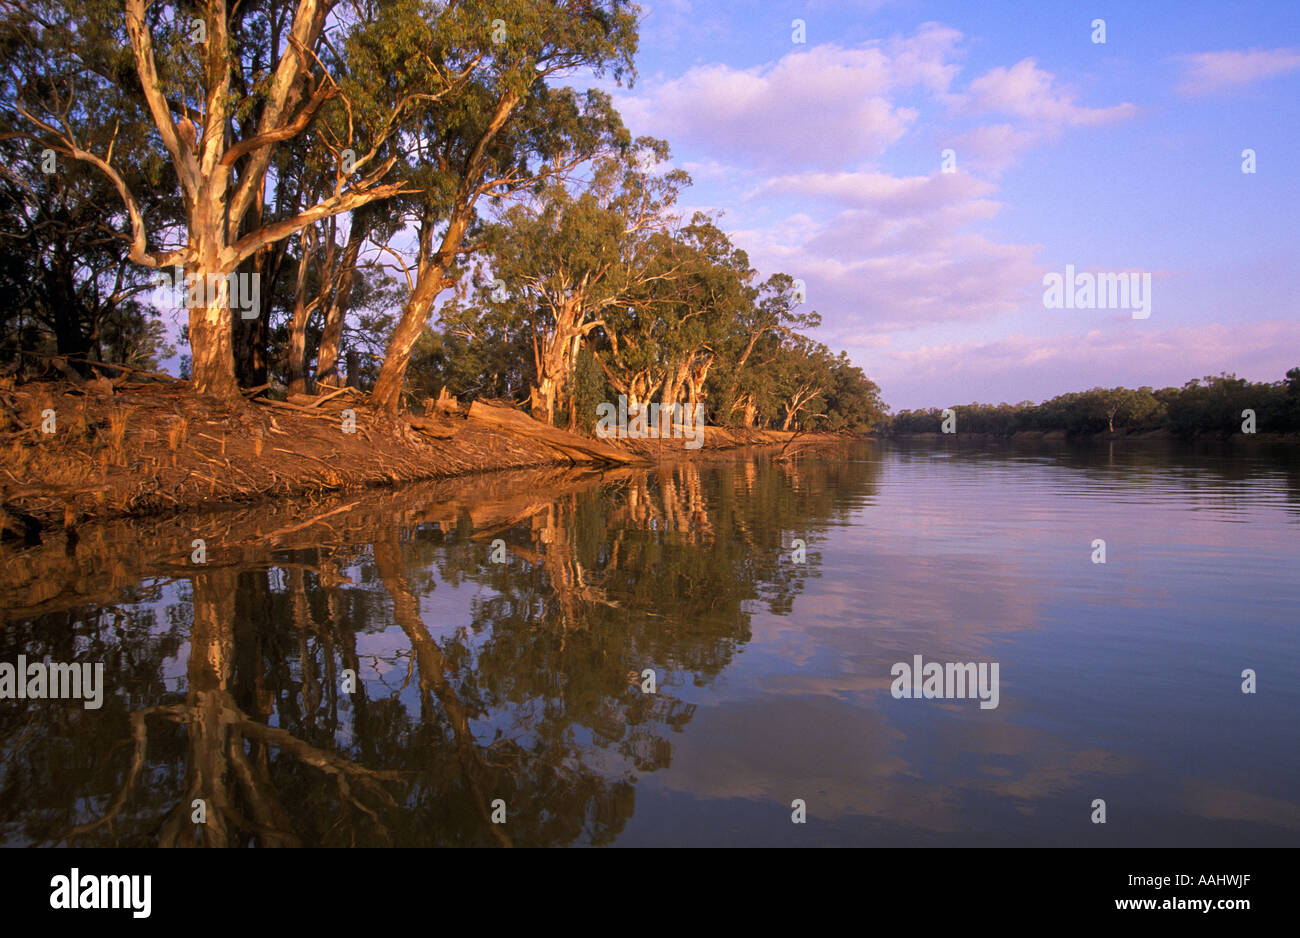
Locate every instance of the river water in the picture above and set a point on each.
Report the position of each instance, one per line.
(471, 662)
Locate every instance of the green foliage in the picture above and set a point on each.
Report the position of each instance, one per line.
(590, 388)
(853, 401)
(69, 288)
(597, 287)
(507, 176)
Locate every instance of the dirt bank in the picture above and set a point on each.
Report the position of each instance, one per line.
(70, 452)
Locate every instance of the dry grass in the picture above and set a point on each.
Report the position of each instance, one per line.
(117, 420)
(33, 413)
(18, 458)
(78, 426)
(160, 448)
(178, 433)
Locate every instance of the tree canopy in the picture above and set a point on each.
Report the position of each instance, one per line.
(417, 199)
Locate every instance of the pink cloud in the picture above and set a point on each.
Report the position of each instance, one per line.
(1028, 92)
(996, 147)
(897, 253)
(1207, 72)
(1126, 353)
(880, 190)
(818, 106)
(1041, 108)
(896, 272)
(879, 253)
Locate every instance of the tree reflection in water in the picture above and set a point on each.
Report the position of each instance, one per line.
(226, 679)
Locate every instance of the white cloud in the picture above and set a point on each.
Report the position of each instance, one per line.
(879, 190)
(896, 253)
(994, 148)
(881, 253)
(893, 272)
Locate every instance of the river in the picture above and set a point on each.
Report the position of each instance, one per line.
(704, 653)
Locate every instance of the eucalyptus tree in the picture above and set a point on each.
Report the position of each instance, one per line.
(395, 59)
(755, 338)
(70, 289)
(63, 265)
(573, 252)
(509, 130)
(801, 375)
(225, 85)
(853, 400)
(480, 351)
(669, 334)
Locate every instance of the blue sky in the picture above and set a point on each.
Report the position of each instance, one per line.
(824, 157)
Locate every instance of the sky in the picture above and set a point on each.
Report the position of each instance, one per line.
(826, 159)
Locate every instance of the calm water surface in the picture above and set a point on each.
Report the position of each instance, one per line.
(484, 687)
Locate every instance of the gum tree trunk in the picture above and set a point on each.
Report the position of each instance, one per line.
(298, 327)
(431, 280)
(327, 358)
(212, 365)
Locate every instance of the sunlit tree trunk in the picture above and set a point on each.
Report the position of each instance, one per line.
(298, 321)
(555, 358)
(431, 277)
(212, 359)
(431, 280)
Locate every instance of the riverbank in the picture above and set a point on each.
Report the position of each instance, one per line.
(67, 570)
(71, 452)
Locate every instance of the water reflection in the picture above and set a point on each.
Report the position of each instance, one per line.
(228, 678)
(484, 687)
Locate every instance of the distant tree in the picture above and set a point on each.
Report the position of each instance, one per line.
(1213, 405)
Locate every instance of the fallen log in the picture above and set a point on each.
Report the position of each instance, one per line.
(575, 448)
(330, 396)
(158, 376)
(294, 407)
(439, 429)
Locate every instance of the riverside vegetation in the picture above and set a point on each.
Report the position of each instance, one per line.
(424, 221)
(352, 182)
(396, 214)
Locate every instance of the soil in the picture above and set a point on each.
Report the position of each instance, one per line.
(75, 451)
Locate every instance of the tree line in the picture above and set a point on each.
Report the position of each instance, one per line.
(1215, 404)
(372, 164)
